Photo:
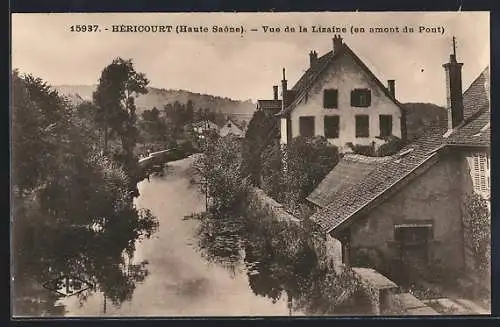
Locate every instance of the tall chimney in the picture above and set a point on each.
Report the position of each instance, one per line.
(275, 92)
(391, 87)
(313, 58)
(337, 43)
(283, 85)
(454, 100)
(283, 90)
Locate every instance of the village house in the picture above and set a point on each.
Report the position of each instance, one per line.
(404, 214)
(338, 97)
(232, 127)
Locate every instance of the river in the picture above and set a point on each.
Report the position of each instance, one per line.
(180, 281)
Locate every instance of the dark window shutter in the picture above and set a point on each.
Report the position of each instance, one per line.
(361, 98)
(331, 127)
(362, 126)
(330, 98)
(306, 126)
(385, 124)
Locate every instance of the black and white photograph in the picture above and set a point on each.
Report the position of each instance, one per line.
(250, 164)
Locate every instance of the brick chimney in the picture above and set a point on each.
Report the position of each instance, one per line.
(313, 58)
(454, 99)
(337, 43)
(391, 87)
(284, 88)
(275, 92)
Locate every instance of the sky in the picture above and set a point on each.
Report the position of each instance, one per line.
(246, 66)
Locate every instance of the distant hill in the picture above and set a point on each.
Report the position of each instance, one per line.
(421, 115)
(240, 110)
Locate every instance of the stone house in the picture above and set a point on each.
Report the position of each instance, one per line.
(338, 97)
(406, 211)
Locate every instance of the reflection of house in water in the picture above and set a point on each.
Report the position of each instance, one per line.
(406, 211)
(340, 98)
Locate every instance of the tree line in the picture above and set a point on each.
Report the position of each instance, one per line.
(166, 128)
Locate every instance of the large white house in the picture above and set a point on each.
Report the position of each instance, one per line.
(340, 98)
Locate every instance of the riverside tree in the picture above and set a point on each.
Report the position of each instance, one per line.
(72, 209)
(119, 85)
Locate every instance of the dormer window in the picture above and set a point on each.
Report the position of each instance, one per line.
(361, 98)
(330, 99)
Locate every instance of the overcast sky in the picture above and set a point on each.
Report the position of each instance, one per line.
(246, 66)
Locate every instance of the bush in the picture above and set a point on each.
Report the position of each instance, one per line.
(393, 144)
(365, 150)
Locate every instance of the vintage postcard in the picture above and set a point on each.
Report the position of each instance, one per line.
(250, 164)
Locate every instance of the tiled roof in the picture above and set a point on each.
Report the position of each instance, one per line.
(269, 105)
(476, 129)
(381, 178)
(307, 80)
(348, 172)
(474, 133)
(385, 175)
(476, 97)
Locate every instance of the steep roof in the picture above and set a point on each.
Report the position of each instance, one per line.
(312, 74)
(348, 172)
(477, 96)
(387, 175)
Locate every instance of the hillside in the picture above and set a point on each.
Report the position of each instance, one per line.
(421, 115)
(160, 97)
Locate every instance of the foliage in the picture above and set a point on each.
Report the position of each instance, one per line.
(280, 256)
(114, 99)
(220, 166)
(73, 211)
(272, 175)
(261, 133)
(365, 150)
(309, 160)
(219, 170)
(392, 145)
(477, 223)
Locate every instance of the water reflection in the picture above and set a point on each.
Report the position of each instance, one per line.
(43, 253)
(166, 275)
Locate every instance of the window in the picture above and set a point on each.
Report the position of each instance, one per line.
(330, 98)
(361, 98)
(409, 235)
(480, 171)
(362, 126)
(306, 126)
(413, 240)
(332, 127)
(385, 122)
